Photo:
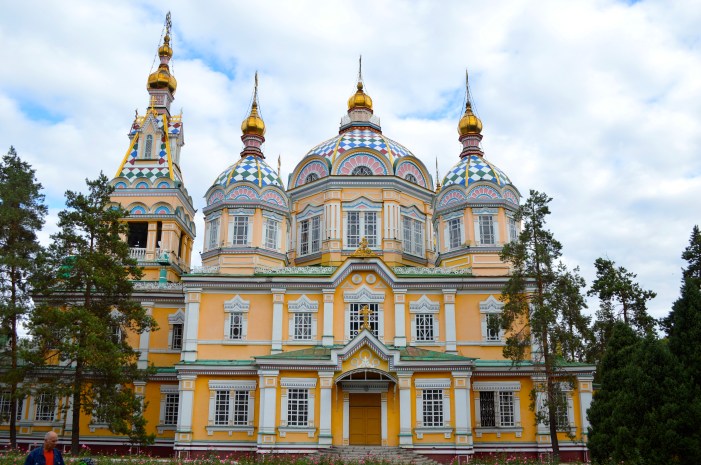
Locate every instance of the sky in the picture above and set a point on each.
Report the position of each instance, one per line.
(596, 103)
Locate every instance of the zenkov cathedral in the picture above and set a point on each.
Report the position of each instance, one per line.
(351, 305)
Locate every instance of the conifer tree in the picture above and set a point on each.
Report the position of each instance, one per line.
(542, 301)
(22, 214)
(86, 312)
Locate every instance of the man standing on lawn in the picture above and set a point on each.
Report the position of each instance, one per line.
(47, 455)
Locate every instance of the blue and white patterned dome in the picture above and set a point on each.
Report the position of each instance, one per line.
(472, 169)
(250, 169)
(359, 138)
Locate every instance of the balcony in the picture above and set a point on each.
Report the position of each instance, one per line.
(139, 253)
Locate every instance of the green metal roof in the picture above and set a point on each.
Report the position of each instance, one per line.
(415, 354)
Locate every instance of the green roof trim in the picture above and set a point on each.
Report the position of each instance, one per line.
(312, 353)
(415, 354)
(219, 363)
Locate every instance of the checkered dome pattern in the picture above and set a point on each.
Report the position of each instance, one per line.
(472, 169)
(249, 169)
(359, 138)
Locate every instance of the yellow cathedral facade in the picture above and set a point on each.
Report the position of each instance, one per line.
(350, 305)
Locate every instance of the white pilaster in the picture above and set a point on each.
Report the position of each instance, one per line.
(144, 339)
(399, 317)
(383, 417)
(405, 436)
(192, 322)
(463, 415)
(449, 305)
(346, 419)
(278, 301)
(327, 337)
(325, 385)
(267, 414)
(186, 388)
(585, 388)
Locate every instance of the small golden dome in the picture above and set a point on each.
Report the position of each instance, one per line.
(360, 99)
(161, 78)
(165, 50)
(253, 124)
(469, 123)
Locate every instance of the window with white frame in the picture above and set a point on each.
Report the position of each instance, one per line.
(513, 229)
(357, 319)
(176, 333)
(486, 226)
(486, 230)
(231, 405)
(238, 230)
(359, 225)
(490, 315)
(455, 233)
(272, 234)
(177, 338)
(424, 324)
(433, 403)
(148, 146)
(310, 235)
(562, 409)
(236, 325)
(297, 402)
(170, 408)
(303, 326)
(5, 405)
(497, 405)
(413, 230)
(212, 234)
(45, 407)
(302, 319)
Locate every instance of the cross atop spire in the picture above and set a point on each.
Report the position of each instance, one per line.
(360, 69)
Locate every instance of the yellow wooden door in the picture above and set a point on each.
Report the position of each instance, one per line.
(365, 420)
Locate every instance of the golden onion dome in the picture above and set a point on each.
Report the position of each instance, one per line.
(360, 99)
(253, 124)
(469, 123)
(165, 50)
(161, 78)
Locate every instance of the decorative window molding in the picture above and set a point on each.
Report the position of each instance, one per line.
(497, 407)
(454, 233)
(231, 405)
(169, 408)
(297, 405)
(432, 383)
(425, 325)
(236, 323)
(361, 218)
(5, 407)
(302, 321)
(490, 309)
(433, 407)
(271, 230)
(309, 230)
(354, 301)
(486, 226)
(176, 330)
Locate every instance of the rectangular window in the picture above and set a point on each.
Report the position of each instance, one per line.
(5, 407)
(493, 330)
(45, 407)
(310, 236)
(240, 416)
(454, 233)
(304, 237)
(424, 327)
(239, 232)
(213, 240)
(177, 341)
(316, 234)
(357, 319)
(236, 326)
(170, 416)
(413, 236)
(370, 228)
(353, 230)
(497, 409)
(361, 225)
(271, 232)
(303, 326)
(432, 407)
(297, 407)
(486, 228)
(513, 230)
(221, 408)
(561, 410)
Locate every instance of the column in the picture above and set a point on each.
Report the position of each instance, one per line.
(144, 339)
(346, 419)
(383, 417)
(326, 387)
(267, 413)
(278, 301)
(585, 389)
(399, 317)
(186, 390)
(405, 436)
(449, 305)
(192, 322)
(327, 337)
(463, 415)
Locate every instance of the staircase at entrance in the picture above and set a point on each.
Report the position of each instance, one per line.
(393, 455)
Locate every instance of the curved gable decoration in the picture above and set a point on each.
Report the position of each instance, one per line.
(510, 196)
(162, 210)
(217, 196)
(236, 305)
(274, 198)
(424, 305)
(346, 167)
(483, 193)
(364, 294)
(491, 305)
(138, 210)
(451, 197)
(313, 167)
(304, 304)
(177, 318)
(242, 193)
(406, 167)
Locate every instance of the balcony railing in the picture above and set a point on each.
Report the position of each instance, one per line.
(138, 253)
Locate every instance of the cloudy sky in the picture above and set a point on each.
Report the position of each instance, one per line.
(596, 103)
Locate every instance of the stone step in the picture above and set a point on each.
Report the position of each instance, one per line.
(394, 455)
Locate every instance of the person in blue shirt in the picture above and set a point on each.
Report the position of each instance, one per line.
(46, 455)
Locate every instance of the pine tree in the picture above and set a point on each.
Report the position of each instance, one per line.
(21, 215)
(86, 311)
(542, 301)
(620, 297)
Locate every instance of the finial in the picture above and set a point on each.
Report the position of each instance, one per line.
(279, 164)
(255, 89)
(169, 24)
(253, 124)
(136, 113)
(162, 77)
(360, 99)
(469, 123)
(360, 69)
(438, 177)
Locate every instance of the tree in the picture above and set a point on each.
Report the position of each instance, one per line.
(86, 310)
(620, 297)
(542, 307)
(683, 324)
(22, 214)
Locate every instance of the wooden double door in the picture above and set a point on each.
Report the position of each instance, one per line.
(365, 419)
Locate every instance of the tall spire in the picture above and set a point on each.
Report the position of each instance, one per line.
(470, 126)
(161, 84)
(438, 177)
(360, 100)
(253, 127)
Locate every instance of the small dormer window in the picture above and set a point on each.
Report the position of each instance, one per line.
(411, 178)
(311, 177)
(148, 146)
(361, 171)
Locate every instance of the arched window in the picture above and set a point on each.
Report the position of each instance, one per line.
(411, 178)
(148, 146)
(311, 177)
(361, 171)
